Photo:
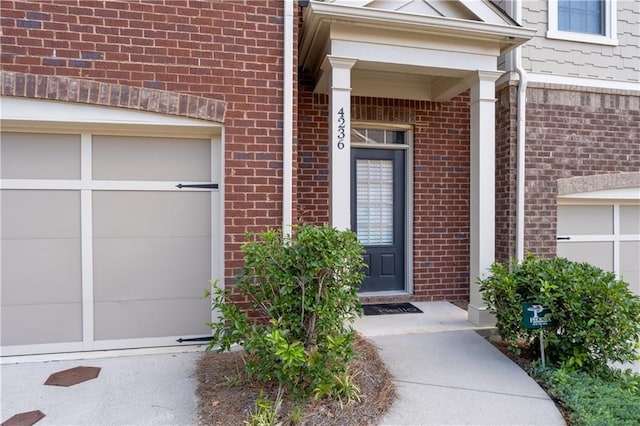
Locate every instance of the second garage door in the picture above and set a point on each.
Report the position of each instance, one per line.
(603, 233)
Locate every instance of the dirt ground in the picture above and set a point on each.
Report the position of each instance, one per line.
(227, 397)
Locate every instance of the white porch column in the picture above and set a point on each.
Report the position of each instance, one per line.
(483, 154)
(339, 70)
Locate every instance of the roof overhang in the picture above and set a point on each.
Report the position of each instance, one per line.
(413, 49)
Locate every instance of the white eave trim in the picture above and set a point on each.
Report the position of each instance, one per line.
(316, 13)
(17, 111)
(632, 194)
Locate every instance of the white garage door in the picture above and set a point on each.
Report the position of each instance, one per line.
(604, 234)
(100, 248)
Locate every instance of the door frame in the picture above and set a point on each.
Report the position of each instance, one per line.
(408, 196)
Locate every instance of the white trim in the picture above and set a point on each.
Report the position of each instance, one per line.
(339, 140)
(86, 239)
(40, 184)
(408, 225)
(586, 82)
(408, 193)
(609, 38)
(606, 194)
(287, 126)
(602, 237)
(18, 351)
(78, 355)
(521, 138)
(482, 190)
(101, 185)
(54, 113)
(380, 146)
(581, 38)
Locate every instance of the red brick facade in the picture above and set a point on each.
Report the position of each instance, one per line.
(440, 188)
(506, 157)
(570, 132)
(184, 55)
(223, 61)
(573, 132)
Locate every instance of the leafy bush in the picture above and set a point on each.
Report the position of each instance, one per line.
(595, 400)
(598, 318)
(305, 289)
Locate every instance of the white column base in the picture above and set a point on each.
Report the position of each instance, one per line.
(480, 316)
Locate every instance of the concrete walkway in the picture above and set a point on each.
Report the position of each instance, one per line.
(448, 374)
(138, 390)
(444, 371)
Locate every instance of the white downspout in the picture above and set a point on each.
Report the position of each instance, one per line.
(521, 102)
(287, 120)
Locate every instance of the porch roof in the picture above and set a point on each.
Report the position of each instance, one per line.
(407, 49)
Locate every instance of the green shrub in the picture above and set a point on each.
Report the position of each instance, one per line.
(598, 318)
(305, 288)
(595, 400)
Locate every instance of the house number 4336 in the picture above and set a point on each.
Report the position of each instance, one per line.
(341, 128)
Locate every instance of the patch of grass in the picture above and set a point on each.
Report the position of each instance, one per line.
(591, 400)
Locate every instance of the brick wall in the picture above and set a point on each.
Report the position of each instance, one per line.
(441, 181)
(229, 51)
(573, 132)
(506, 158)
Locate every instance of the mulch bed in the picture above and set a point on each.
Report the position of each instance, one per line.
(226, 396)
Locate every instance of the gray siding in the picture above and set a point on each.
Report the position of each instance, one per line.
(587, 60)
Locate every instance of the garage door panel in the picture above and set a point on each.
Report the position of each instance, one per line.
(599, 254)
(41, 323)
(40, 156)
(574, 220)
(151, 159)
(100, 249)
(151, 318)
(158, 268)
(630, 264)
(40, 214)
(147, 213)
(38, 271)
(630, 220)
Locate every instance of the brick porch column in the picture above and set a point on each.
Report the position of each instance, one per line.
(482, 227)
(339, 70)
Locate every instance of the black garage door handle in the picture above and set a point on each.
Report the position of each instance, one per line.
(202, 185)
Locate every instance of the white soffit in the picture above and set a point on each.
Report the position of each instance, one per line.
(17, 112)
(477, 20)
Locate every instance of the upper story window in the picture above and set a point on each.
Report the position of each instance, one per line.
(588, 21)
(581, 16)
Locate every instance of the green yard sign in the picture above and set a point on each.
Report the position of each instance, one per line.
(535, 316)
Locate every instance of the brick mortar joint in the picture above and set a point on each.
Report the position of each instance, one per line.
(58, 88)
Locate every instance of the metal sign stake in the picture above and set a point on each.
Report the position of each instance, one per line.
(542, 357)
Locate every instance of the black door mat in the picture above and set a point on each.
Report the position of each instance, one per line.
(390, 308)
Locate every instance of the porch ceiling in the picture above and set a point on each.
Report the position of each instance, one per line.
(407, 49)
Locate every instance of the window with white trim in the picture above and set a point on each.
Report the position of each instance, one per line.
(587, 21)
